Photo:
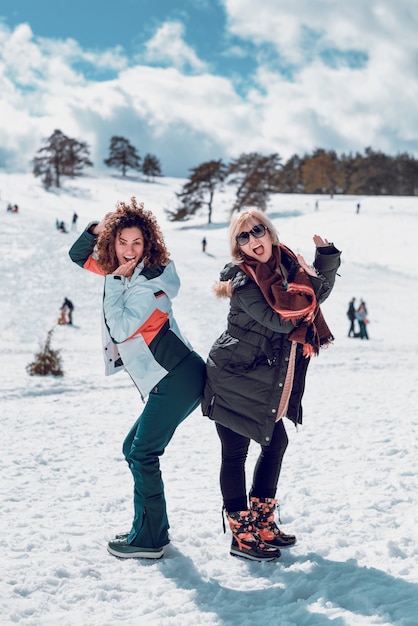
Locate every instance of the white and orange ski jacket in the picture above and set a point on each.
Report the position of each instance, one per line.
(139, 331)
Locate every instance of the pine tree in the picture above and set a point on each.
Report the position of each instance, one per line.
(151, 166)
(289, 178)
(75, 157)
(255, 176)
(200, 189)
(122, 155)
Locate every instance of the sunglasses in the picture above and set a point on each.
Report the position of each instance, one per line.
(257, 231)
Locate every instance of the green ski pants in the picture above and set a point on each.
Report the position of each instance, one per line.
(169, 403)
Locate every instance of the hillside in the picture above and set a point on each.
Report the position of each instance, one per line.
(350, 476)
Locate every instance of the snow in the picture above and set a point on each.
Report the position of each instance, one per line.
(350, 477)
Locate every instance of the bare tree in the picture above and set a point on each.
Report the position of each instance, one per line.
(47, 361)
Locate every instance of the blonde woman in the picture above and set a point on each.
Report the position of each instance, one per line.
(256, 369)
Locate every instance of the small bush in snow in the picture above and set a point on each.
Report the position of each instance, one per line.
(47, 361)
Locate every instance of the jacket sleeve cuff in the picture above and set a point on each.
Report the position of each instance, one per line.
(89, 226)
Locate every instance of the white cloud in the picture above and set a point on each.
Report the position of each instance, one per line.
(187, 108)
(286, 26)
(345, 107)
(185, 114)
(167, 46)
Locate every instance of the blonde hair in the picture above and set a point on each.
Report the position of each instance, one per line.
(244, 221)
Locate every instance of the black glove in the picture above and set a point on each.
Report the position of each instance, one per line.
(240, 279)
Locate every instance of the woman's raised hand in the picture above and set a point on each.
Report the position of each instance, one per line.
(308, 268)
(97, 229)
(126, 269)
(320, 242)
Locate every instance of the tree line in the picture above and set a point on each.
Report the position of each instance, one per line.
(254, 176)
(64, 156)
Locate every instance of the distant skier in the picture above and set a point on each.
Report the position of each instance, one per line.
(66, 312)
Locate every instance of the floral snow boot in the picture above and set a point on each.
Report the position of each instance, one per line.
(263, 511)
(246, 542)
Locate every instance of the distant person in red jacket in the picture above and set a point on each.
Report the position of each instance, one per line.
(66, 312)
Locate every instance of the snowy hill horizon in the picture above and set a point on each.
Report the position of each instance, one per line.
(350, 477)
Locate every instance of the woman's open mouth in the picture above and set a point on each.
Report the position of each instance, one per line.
(258, 250)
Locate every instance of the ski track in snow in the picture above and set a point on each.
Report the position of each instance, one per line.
(349, 482)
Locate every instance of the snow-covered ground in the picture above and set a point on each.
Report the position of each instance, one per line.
(350, 478)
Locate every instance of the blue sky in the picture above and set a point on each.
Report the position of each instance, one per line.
(201, 79)
(131, 23)
(104, 24)
(126, 23)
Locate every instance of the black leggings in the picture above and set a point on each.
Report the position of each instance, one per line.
(266, 471)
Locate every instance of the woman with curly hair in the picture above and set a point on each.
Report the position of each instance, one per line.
(141, 336)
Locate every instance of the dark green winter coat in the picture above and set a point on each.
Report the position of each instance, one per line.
(247, 364)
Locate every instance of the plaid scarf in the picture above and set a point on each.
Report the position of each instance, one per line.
(292, 297)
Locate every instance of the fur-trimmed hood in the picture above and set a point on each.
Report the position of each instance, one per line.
(223, 289)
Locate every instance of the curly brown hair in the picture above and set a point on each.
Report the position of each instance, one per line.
(128, 216)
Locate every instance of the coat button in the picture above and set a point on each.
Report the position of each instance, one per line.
(280, 384)
(273, 410)
(267, 438)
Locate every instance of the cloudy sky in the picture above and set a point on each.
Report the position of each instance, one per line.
(194, 80)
